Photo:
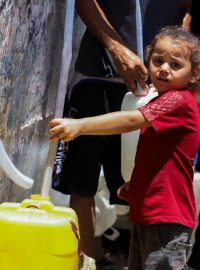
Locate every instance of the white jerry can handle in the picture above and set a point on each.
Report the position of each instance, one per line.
(11, 171)
(129, 140)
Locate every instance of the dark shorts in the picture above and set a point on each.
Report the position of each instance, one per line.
(161, 246)
(78, 167)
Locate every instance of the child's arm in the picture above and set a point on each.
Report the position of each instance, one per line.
(107, 124)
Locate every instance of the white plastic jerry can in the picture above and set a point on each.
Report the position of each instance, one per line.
(129, 140)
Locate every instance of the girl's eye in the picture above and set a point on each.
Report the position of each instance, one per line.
(157, 61)
(175, 65)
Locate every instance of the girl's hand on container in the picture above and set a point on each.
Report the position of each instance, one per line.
(64, 129)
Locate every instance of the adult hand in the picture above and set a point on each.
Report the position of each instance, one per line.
(130, 67)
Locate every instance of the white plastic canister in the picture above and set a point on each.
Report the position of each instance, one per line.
(129, 140)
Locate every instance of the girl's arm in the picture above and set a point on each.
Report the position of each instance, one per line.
(107, 124)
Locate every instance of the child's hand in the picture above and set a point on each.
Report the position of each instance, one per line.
(152, 88)
(122, 191)
(64, 129)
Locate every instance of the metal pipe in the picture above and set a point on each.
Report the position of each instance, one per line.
(62, 87)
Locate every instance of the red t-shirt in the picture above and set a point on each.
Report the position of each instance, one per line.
(161, 187)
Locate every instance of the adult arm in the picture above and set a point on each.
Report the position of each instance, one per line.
(107, 124)
(129, 65)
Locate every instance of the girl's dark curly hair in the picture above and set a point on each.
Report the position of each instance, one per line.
(176, 34)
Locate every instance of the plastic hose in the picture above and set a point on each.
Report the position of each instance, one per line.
(11, 171)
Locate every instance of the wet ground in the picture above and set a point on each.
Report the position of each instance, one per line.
(112, 252)
(113, 261)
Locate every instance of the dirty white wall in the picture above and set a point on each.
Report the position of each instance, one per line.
(31, 39)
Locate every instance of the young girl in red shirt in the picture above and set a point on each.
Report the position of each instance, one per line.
(161, 197)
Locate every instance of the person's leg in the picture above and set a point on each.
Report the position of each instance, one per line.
(81, 167)
(159, 247)
(83, 158)
(164, 246)
(85, 210)
(135, 256)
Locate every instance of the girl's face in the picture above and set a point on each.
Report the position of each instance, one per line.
(170, 66)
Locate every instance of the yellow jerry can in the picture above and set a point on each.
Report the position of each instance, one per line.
(36, 235)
